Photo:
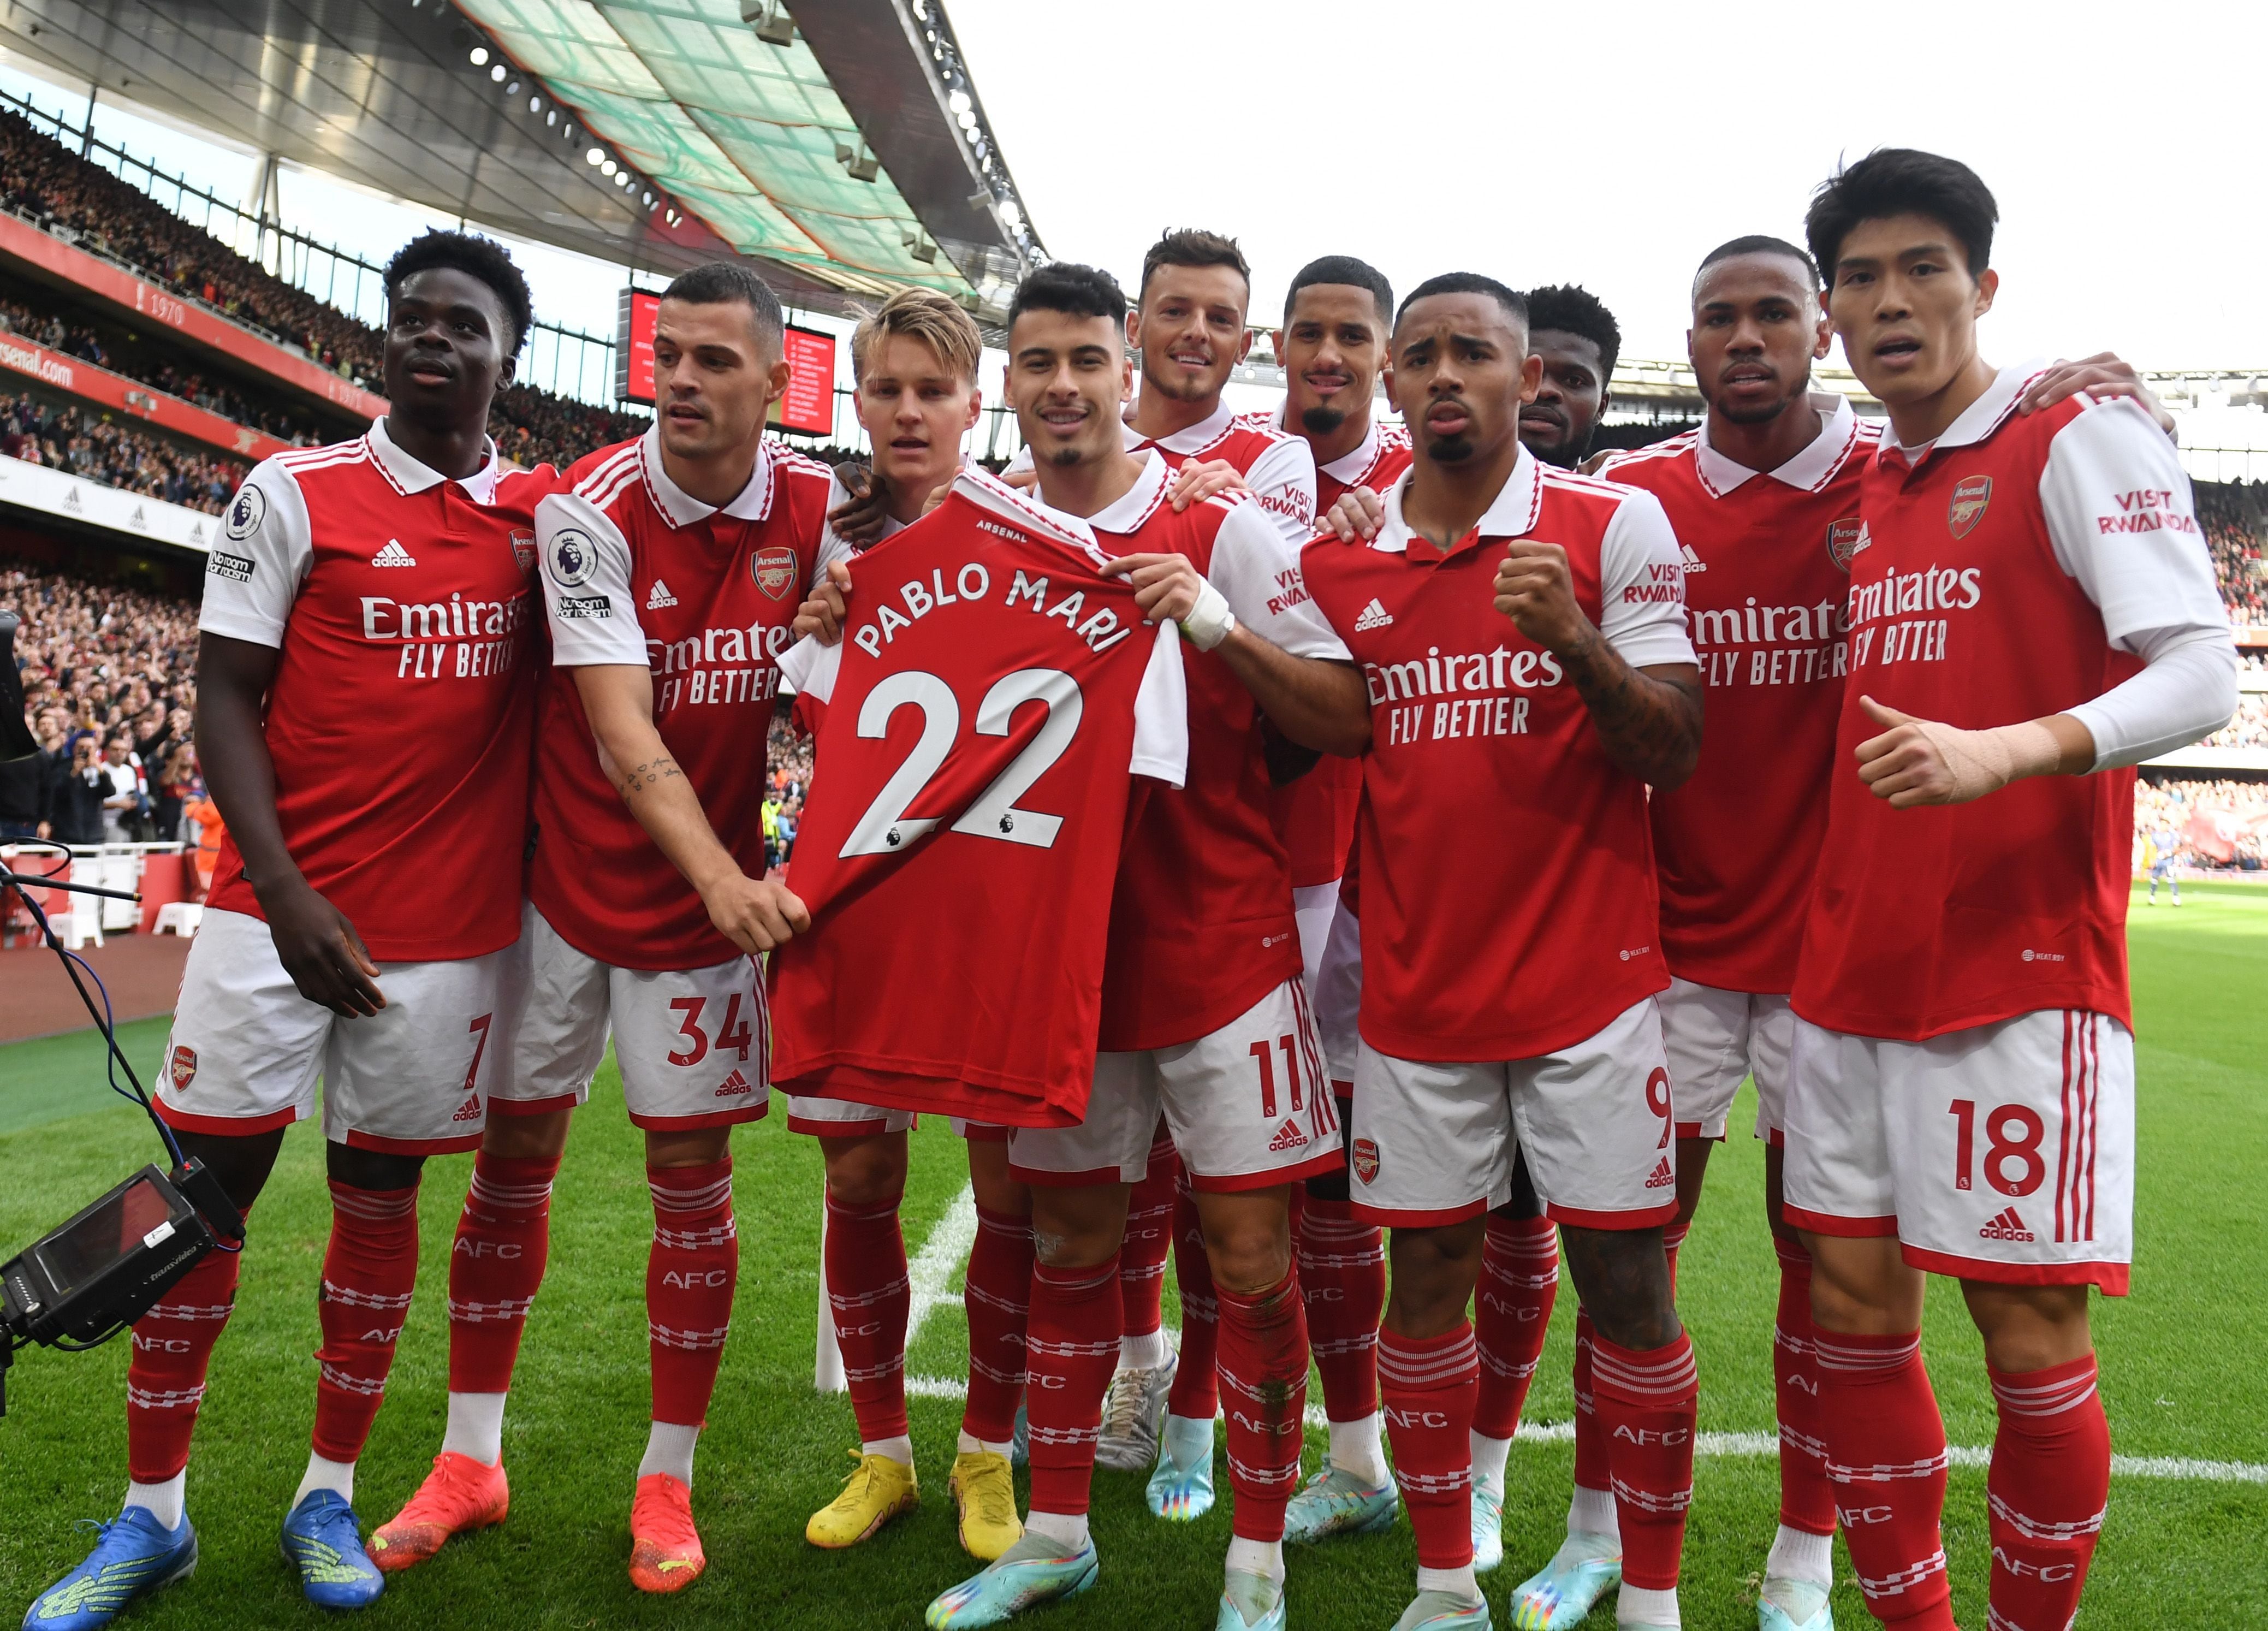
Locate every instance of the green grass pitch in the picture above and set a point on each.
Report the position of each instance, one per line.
(2183, 1377)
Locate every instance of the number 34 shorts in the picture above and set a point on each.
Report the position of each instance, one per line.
(2003, 1152)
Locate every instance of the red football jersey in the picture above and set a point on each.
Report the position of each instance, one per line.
(400, 715)
(1767, 560)
(636, 571)
(2002, 570)
(1507, 877)
(980, 726)
(1279, 468)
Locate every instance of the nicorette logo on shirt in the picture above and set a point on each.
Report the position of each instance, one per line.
(1966, 507)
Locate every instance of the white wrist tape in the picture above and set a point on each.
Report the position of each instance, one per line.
(1210, 620)
(1985, 762)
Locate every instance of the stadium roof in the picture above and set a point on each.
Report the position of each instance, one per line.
(841, 141)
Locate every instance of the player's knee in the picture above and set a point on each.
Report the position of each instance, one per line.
(2029, 1328)
(542, 1137)
(692, 1147)
(372, 1169)
(1862, 1287)
(1249, 1258)
(241, 1164)
(1623, 1277)
(865, 1172)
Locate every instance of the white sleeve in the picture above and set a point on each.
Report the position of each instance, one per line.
(259, 560)
(808, 668)
(1161, 712)
(1283, 484)
(1642, 586)
(1257, 568)
(586, 585)
(2187, 692)
(2122, 522)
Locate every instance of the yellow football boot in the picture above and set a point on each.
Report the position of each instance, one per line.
(985, 1490)
(876, 1492)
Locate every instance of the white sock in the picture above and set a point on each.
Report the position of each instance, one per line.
(475, 1426)
(163, 1502)
(1146, 1352)
(900, 1449)
(1488, 1463)
(1592, 1512)
(1065, 1528)
(1264, 1558)
(669, 1449)
(1458, 1583)
(1796, 1555)
(1356, 1448)
(1638, 1607)
(326, 1474)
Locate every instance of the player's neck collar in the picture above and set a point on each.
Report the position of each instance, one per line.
(680, 508)
(1814, 464)
(1511, 513)
(410, 474)
(1196, 438)
(1348, 469)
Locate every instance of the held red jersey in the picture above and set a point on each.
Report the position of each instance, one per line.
(408, 636)
(636, 571)
(979, 728)
(1279, 468)
(2002, 572)
(1766, 557)
(1507, 877)
(1201, 924)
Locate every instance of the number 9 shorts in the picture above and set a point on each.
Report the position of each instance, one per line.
(2003, 1152)
(1436, 1143)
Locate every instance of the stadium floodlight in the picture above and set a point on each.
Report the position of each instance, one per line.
(959, 102)
(597, 155)
(608, 167)
(480, 55)
(497, 73)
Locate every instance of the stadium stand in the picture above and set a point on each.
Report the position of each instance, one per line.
(2235, 518)
(77, 440)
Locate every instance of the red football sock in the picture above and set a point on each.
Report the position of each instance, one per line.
(1806, 1502)
(997, 1294)
(1512, 1311)
(1647, 1404)
(1071, 1349)
(1195, 1392)
(1673, 1235)
(369, 1270)
(1886, 1463)
(1342, 1281)
(166, 1377)
(2050, 1480)
(1427, 1383)
(868, 1297)
(503, 1239)
(689, 1272)
(1264, 1371)
(1149, 1237)
(1591, 1469)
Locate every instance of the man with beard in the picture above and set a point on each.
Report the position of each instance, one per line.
(1578, 340)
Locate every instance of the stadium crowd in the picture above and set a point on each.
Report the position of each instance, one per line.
(90, 444)
(2235, 519)
(2165, 809)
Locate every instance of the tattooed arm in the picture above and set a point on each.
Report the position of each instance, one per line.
(618, 699)
(1648, 719)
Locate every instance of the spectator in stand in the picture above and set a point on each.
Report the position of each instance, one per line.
(177, 784)
(87, 443)
(75, 806)
(121, 810)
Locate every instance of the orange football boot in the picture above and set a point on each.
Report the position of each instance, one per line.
(665, 1552)
(460, 1494)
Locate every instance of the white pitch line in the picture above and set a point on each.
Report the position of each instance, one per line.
(940, 1259)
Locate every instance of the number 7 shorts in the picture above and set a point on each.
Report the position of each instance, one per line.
(2003, 1152)
(694, 1045)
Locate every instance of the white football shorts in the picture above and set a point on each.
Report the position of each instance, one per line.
(1436, 1143)
(1336, 986)
(2002, 1152)
(1715, 1039)
(1248, 1106)
(414, 1078)
(694, 1046)
(1313, 909)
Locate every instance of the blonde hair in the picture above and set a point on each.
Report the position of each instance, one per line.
(922, 314)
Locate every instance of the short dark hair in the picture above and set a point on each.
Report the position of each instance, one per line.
(1342, 268)
(1068, 287)
(1760, 243)
(713, 283)
(1573, 309)
(1514, 303)
(477, 257)
(1190, 246)
(1901, 181)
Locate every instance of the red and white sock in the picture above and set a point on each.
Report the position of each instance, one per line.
(1141, 1256)
(2050, 1480)
(370, 1269)
(1672, 1236)
(869, 1296)
(165, 1380)
(503, 1240)
(690, 1276)
(1647, 1402)
(1196, 1393)
(1263, 1374)
(1512, 1311)
(1594, 1481)
(1886, 1463)
(1806, 1505)
(997, 1294)
(1071, 1349)
(1343, 1282)
(1427, 1386)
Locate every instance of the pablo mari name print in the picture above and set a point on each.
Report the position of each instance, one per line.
(455, 639)
(972, 583)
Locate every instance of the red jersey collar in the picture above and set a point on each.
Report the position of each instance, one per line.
(409, 475)
(1807, 472)
(1023, 509)
(1517, 507)
(1978, 421)
(1195, 440)
(1349, 469)
(680, 508)
(1131, 509)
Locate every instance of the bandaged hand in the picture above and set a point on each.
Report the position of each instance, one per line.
(1917, 762)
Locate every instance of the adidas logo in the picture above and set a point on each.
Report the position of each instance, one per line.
(2007, 1226)
(658, 596)
(1372, 617)
(736, 1083)
(1664, 1174)
(1287, 1137)
(393, 555)
(1694, 563)
(470, 1110)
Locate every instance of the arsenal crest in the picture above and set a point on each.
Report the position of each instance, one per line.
(523, 550)
(1970, 495)
(1365, 1160)
(775, 571)
(182, 1066)
(1842, 540)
